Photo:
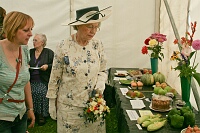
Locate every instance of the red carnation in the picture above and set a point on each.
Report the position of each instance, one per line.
(144, 50)
(147, 41)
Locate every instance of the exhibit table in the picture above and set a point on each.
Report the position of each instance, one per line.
(125, 125)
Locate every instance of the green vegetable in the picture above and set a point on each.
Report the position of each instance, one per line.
(185, 109)
(173, 112)
(156, 125)
(125, 82)
(147, 79)
(176, 121)
(189, 119)
(150, 121)
(142, 119)
(159, 77)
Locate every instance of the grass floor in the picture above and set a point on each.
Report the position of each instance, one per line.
(50, 126)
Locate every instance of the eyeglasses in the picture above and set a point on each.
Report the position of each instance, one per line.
(91, 27)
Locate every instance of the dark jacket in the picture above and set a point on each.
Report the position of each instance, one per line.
(47, 58)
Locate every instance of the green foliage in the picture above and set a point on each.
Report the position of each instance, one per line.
(49, 127)
(156, 52)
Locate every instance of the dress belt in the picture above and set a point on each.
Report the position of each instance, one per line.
(12, 100)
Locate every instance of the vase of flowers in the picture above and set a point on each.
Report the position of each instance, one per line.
(185, 90)
(154, 65)
(96, 109)
(154, 43)
(186, 67)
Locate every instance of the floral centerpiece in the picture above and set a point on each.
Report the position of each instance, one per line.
(96, 108)
(187, 49)
(155, 44)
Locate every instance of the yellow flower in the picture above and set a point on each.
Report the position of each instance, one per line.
(153, 42)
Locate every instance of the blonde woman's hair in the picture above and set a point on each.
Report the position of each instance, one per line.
(14, 21)
(43, 38)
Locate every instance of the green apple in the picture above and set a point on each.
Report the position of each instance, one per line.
(137, 93)
(168, 88)
(162, 92)
(156, 89)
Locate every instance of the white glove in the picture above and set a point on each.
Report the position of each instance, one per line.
(53, 108)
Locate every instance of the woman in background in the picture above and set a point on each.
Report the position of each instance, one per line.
(14, 56)
(40, 69)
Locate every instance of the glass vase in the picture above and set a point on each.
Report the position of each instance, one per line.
(185, 90)
(154, 65)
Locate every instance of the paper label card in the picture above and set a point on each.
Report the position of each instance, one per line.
(124, 90)
(132, 114)
(137, 104)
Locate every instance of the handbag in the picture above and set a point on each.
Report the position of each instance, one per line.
(19, 61)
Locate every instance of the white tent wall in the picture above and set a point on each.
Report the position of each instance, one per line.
(180, 18)
(123, 34)
(47, 14)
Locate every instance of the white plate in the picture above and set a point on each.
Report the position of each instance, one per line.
(34, 68)
(160, 110)
(134, 98)
(183, 131)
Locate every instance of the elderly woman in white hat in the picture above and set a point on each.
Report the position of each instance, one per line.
(79, 68)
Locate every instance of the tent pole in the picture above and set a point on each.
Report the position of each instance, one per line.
(157, 16)
(71, 13)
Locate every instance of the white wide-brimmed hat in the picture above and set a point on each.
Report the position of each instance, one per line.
(89, 15)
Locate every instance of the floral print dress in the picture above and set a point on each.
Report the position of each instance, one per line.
(76, 71)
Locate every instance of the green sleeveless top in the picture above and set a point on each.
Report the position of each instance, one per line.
(10, 110)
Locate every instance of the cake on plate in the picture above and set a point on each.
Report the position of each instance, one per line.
(160, 102)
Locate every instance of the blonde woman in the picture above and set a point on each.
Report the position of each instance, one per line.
(14, 58)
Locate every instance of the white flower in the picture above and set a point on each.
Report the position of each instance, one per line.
(101, 108)
(96, 112)
(93, 103)
(186, 51)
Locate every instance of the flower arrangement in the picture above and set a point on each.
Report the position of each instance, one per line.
(185, 54)
(96, 108)
(154, 43)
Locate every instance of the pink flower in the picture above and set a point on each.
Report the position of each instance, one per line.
(159, 37)
(196, 44)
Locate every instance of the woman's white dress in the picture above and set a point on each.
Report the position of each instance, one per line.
(76, 71)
